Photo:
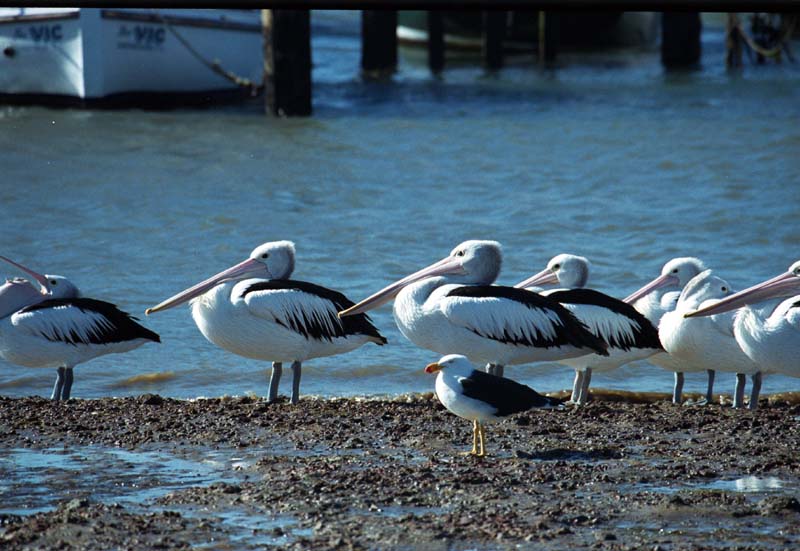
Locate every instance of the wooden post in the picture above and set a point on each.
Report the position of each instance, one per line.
(548, 38)
(378, 43)
(733, 42)
(680, 39)
(287, 62)
(435, 41)
(494, 30)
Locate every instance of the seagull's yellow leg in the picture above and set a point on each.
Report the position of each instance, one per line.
(482, 453)
(475, 429)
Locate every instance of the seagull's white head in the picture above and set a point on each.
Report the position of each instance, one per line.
(568, 270)
(674, 276)
(455, 364)
(474, 262)
(273, 260)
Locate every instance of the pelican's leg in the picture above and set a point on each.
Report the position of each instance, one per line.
(474, 450)
(481, 453)
(67, 384)
(577, 385)
(583, 397)
(489, 369)
(738, 393)
(710, 390)
(296, 367)
(59, 384)
(274, 380)
(499, 369)
(677, 390)
(754, 392)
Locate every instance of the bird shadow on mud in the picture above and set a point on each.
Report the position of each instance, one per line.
(564, 454)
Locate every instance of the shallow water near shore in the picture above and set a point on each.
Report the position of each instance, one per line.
(607, 156)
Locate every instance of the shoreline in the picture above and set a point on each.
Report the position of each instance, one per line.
(350, 473)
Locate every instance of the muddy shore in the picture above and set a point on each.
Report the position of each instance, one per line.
(386, 474)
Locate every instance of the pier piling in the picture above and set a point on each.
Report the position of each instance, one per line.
(287, 62)
(494, 30)
(680, 39)
(378, 43)
(436, 41)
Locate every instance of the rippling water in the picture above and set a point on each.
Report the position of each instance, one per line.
(608, 157)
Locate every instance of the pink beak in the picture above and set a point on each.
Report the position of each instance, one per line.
(785, 284)
(37, 276)
(248, 268)
(659, 282)
(446, 266)
(545, 277)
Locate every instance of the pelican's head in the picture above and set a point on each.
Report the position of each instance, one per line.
(52, 286)
(273, 260)
(455, 364)
(703, 287)
(568, 270)
(474, 262)
(784, 285)
(674, 276)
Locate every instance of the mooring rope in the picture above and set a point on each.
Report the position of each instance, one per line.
(215, 65)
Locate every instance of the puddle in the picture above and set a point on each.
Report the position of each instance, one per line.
(33, 481)
(746, 484)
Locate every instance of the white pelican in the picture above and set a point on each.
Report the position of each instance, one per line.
(481, 397)
(254, 310)
(768, 333)
(55, 327)
(451, 306)
(708, 342)
(661, 296)
(629, 334)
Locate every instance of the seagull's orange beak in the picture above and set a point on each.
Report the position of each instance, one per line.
(433, 368)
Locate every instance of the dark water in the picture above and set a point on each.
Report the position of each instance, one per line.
(608, 156)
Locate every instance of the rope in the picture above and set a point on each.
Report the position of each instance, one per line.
(775, 51)
(215, 65)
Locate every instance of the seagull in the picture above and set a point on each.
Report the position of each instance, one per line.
(254, 310)
(661, 296)
(55, 327)
(708, 342)
(628, 334)
(481, 397)
(770, 334)
(452, 305)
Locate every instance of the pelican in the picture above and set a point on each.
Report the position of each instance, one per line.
(660, 296)
(254, 310)
(708, 342)
(55, 327)
(452, 306)
(481, 397)
(769, 335)
(628, 334)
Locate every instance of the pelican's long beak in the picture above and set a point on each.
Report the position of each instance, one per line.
(545, 277)
(247, 268)
(433, 368)
(659, 282)
(446, 266)
(37, 276)
(785, 284)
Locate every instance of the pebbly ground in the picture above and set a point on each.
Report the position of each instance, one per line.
(386, 474)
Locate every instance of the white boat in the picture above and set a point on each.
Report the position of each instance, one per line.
(127, 55)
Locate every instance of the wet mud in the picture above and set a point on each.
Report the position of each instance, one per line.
(239, 473)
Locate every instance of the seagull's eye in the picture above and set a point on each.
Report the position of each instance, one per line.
(265, 255)
(53, 282)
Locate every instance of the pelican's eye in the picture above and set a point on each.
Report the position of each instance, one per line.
(675, 271)
(53, 282)
(265, 255)
(459, 253)
(556, 267)
(724, 289)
